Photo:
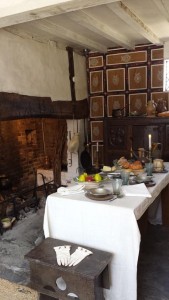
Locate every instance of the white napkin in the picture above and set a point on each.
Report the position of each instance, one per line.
(76, 189)
(136, 190)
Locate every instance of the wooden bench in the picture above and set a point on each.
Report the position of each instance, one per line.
(85, 280)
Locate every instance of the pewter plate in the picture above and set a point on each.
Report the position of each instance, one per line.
(101, 197)
(100, 192)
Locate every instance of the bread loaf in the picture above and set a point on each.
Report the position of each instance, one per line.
(106, 169)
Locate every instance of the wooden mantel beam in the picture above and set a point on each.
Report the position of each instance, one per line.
(130, 18)
(14, 12)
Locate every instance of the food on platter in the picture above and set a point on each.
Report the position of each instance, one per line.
(108, 169)
(125, 164)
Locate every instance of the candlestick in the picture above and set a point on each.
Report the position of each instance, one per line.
(149, 142)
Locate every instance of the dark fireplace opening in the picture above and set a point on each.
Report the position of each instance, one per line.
(25, 146)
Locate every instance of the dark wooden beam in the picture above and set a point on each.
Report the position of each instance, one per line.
(15, 106)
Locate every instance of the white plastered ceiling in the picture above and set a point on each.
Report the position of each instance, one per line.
(95, 25)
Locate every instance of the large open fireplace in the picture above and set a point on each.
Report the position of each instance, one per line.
(33, 135)
(25, 146)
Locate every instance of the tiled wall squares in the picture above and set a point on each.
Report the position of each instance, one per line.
(122, 78)
(96, 82)
(96, 62)
(157, 76)
(115, 102)
(137, 78)
(126, 58)
(138, 102)
(97, 106)
(115, 79)
(157, 54)
(96, 131)
(160, 96)
(94, 157)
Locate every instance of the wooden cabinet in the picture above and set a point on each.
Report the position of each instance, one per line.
(123, 134)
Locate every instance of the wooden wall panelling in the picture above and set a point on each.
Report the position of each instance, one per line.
(96, 131)
(136, 131)
(96, 82)
(157, 76)
(126, 58)
(116, 102)
(138, 103)
(94, 157)
(97, 107)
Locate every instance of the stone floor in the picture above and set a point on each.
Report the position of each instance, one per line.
(18, 241)
(153, 267)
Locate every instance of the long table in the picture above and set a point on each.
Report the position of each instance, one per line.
(109, 226)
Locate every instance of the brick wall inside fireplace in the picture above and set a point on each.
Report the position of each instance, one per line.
(24, 143)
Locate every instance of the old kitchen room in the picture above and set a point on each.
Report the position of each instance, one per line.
(84, 84)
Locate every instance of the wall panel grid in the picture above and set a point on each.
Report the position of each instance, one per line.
(123, 79)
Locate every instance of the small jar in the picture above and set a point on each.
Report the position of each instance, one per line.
(158, 165)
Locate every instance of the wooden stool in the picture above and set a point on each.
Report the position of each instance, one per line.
(85, 281)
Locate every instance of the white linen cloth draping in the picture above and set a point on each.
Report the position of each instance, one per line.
(110, 226)
(76, 189)
(136, 190)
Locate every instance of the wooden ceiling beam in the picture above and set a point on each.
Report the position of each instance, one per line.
(89, 21)
(130, 18)
(64, 33)
(163, 8)
(14, 12)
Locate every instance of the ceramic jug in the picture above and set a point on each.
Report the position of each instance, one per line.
(151, 108)
(161, 106)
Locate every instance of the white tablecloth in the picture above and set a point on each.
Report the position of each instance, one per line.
(110, 226)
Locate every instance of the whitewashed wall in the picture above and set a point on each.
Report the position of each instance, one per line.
(80, 76)
(31, 68)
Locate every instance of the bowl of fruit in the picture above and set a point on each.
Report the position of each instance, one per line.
(90, 180)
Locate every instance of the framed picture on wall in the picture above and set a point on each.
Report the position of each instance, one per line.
(96, 131)
(115, 102)
(97, 106)
(96, 82)
(115, 80)
(137, 78)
